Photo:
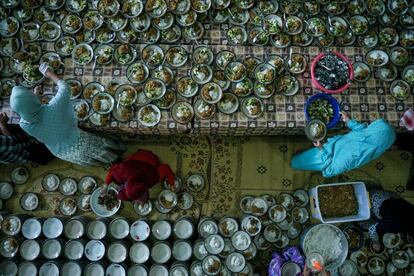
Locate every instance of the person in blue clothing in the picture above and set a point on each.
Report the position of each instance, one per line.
(343, 153)
(55, 125)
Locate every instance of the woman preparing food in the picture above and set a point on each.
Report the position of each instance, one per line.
(343, 153)
(55, 125)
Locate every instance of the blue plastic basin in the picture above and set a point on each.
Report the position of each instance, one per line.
(332, 101)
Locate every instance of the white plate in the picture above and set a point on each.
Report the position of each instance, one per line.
(6, 190)
(99, 209)
(54, 178)
(140, 230)
(156, 112)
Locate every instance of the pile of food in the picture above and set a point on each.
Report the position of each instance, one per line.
(332, 72)
(337, 201)
(109, 199)
(321, 109)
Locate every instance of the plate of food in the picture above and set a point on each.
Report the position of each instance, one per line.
(400, 90)
(388, 72)
(65, 45)
(167, 101)
(84, 202)
(315, 26)
(154, 89)
(137, 72)
(165, 74)
(75, 87)
(203, 55)
(71, 24)
(359, 24)
(125, 95)
(288, 85)
(264, 73)
(281, 40)
(201, 73)
(125, 54)
(104, 35)
(6, 86)
(337, 26)
(253, 107)
(152, 55)
(187, 87)
(52, 59)
(81, 109)
(204, 110)
(140, 23)
(164, 22)
(258, 37)
(103, 103)
(408, 75)
(117, 23)
(243, 88)
(99, 119)
(377, 58)
(76, 6)
(108, 8)
(407, 39)
(236, 35)
(82, 54)
(376, 265)
(272, 23)
(87, 184)
(223, 58)
(296, 64)
(104, 54)
(32, 74)
(9, 26)
(293, 25)
(221, 80)
(182, 112)
(149, 115)
(92, 20)
(228, 104)
(399, 56)
(211, 93)
(176, 56)
(85, 36)
(388, 37)
(155, 8)
(263, 91)
(50, 31)
(303, 39)
(91, 89)
(30, 31)
(123, 113)
(362, 72)
(235, 71)
(105, 202)
(315, 130)
(132, 8)
(68, 206)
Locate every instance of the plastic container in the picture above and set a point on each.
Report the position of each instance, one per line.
(316, 84)
(361, 195)
(332, 101)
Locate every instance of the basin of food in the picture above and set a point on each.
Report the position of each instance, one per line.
(327, 240)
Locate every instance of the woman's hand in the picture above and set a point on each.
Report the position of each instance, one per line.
(344, 116)
(306, 271)
(48, 72)
(317, 144)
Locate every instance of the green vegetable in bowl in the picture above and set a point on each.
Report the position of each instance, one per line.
(32, 74)
(322, 110)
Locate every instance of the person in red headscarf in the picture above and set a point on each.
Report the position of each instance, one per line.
(137, 174)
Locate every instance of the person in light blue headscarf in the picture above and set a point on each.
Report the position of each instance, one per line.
(55, 125)
(343, 153)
